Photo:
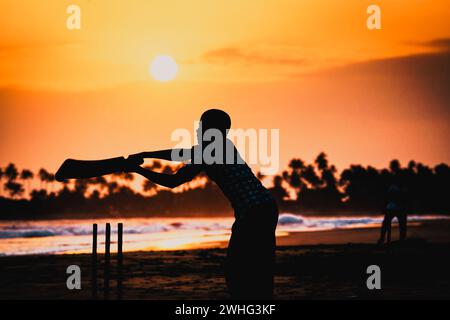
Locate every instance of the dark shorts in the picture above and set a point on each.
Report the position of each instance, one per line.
(250, 260)
(399, 213)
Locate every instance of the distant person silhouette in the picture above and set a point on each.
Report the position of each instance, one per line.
(395, 206)
(249, 267)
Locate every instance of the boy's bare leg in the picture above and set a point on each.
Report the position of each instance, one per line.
(402, 224)
(389, 228)
(385, 227)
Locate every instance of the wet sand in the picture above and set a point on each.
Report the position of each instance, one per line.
(414, 269)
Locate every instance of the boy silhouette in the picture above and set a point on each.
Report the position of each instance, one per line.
(395, 206)
(249, 267)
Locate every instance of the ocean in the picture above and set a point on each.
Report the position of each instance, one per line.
(19, 237)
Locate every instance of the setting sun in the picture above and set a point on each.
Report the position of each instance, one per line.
(163, 68)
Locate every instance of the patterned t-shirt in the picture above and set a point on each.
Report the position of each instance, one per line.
(238, 183)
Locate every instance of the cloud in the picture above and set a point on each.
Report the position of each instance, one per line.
(431, 69)
(234, 55)
(426, 66)
(417, 83)
(441, 44)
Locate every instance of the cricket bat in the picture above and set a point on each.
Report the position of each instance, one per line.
(81, 169)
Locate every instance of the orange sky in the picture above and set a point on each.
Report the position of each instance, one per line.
(310, 68)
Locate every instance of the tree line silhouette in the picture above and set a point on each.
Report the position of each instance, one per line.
(303, 187)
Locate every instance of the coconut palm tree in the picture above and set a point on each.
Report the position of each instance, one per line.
(115, 185)
(51, 180)
(45, 178)
(293, 176)
(123, 176)
(112, 186)
(81, 186)
(26, 176)
(395, 166)
(11, 172)
(65, 183)
(2, 173)
(327, 172)
(14, 188)
(277, 190)
(148, 186)
(99, 183)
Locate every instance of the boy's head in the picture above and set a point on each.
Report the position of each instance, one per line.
(216, 119)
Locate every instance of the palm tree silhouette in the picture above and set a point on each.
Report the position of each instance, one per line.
(395, 166)
(26, 176)
(81, 186)
(278, 191)
(46, 178)
(123, 176)
(2, 173)
(43, 174)
(293, 176)
(148, 186)
(51, 180)
(112, 186)
(11, 172)
(99, 183)
(327, 172)
(310, 177)
(14, 188)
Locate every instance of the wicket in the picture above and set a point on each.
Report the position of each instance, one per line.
(106, 271)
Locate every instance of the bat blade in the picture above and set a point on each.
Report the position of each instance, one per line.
(81, 169)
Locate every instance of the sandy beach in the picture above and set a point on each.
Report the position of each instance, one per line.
(417, 268)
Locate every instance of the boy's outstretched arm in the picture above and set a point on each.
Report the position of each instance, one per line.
(168, 154)
(185, 174)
